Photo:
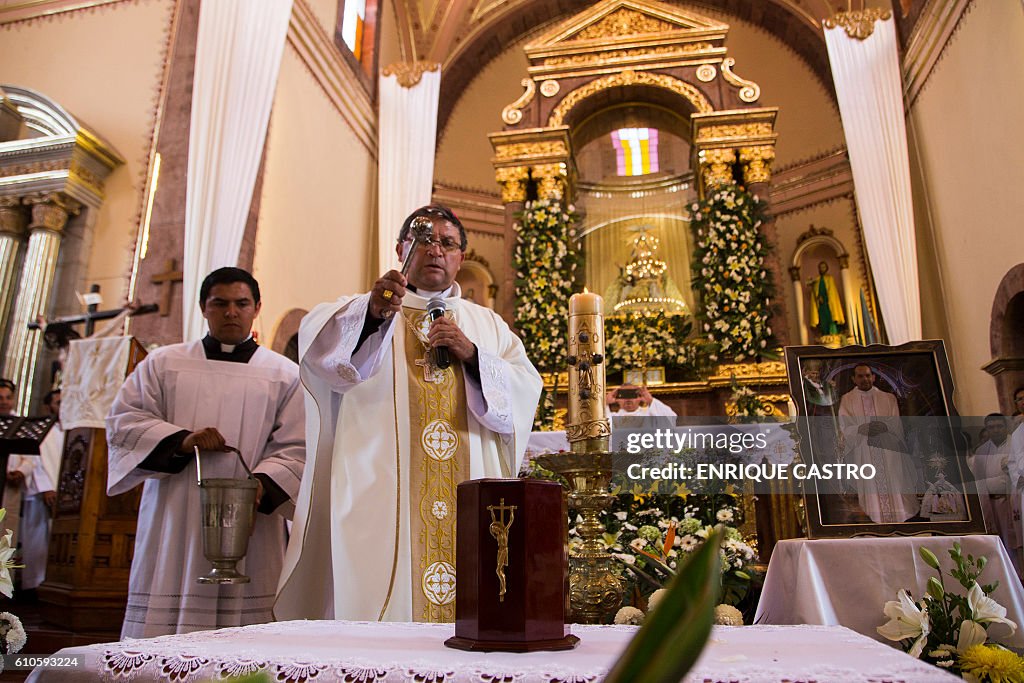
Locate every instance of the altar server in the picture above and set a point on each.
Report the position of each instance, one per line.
(222, 391)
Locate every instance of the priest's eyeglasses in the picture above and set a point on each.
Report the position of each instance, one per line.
(447, 244)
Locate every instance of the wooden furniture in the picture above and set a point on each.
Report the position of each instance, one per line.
(513, 567)
(92, 537)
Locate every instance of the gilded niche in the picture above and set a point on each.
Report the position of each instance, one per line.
(623, 22)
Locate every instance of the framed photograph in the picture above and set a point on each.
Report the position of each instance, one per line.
(882, 418)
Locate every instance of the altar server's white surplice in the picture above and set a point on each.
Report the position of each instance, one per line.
(257, 407)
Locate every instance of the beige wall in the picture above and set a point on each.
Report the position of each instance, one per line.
(70, 60)
(315, 226)
(967, 128)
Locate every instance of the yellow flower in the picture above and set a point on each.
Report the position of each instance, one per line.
(986, 663)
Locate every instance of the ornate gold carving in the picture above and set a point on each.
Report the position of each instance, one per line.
(512, 114)
(769, 401)
(716, 166)
(549, 88)
(12, 216)
(858, 24)
(772, 369)
(36, 167)
(409, 74)
(749, 91)
(735, 130)
(513, 183)
(550, 180)
(706, 73)
(606, 57)
(813, 231)
(757, 163)
(544, 148)
(628, 77)
(594, 429)
(623, 22)
(51, 211)
(86, 177)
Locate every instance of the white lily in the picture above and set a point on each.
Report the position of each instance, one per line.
(6, 552)
(985, 609)
(971, 633)
(906, 620)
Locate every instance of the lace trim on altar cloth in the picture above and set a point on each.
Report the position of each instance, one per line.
(496, 387)
(305, 652)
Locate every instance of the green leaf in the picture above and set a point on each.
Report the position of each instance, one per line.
(673, 636)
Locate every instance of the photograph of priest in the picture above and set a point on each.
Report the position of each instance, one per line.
(224, 390)
(870, 422)
(374, 532)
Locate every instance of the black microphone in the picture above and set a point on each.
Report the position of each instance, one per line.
(435, 309)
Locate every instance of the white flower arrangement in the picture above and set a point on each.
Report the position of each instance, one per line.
(545, 261)
(949, 630)
(731, 281)
(12, 633)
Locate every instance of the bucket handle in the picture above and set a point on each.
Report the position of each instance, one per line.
(199, 469)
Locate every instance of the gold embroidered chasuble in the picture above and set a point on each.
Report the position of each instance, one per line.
(438, 461)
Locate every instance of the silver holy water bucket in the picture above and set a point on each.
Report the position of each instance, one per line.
(229, 511)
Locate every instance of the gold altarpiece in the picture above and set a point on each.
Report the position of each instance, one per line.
(634, 50)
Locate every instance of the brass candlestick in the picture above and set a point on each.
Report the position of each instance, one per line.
(595, 592)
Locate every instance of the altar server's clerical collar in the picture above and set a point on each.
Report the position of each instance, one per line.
(444, 294)
(237, 353)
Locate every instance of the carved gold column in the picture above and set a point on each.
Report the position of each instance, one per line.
(716, 166)
(757, 163)
(550, 179)
(12, 234)
(513, 181)
(50, 214)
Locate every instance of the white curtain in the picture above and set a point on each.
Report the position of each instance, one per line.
(238, 56)
(869, 88)
(405, 171)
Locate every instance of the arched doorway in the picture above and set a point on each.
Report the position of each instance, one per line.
(1006, 339)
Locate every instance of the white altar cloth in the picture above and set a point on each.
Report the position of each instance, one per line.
(307, 651)
(847, 581)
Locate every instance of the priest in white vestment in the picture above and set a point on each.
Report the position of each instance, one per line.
(393, 432)
(991, 468)
(871, 427)
(221, 391)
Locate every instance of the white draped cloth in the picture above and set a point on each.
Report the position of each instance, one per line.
(257, 407)
(351, 526)
(869, 88)
(93, 374)
(889, 497)
(238, 56)
(405, 165)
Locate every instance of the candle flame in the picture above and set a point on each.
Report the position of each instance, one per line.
(585, 290)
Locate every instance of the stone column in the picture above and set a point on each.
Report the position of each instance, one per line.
(756, 161)
(513, 181)
(50, 214)
(798, 296)
(12, 233)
